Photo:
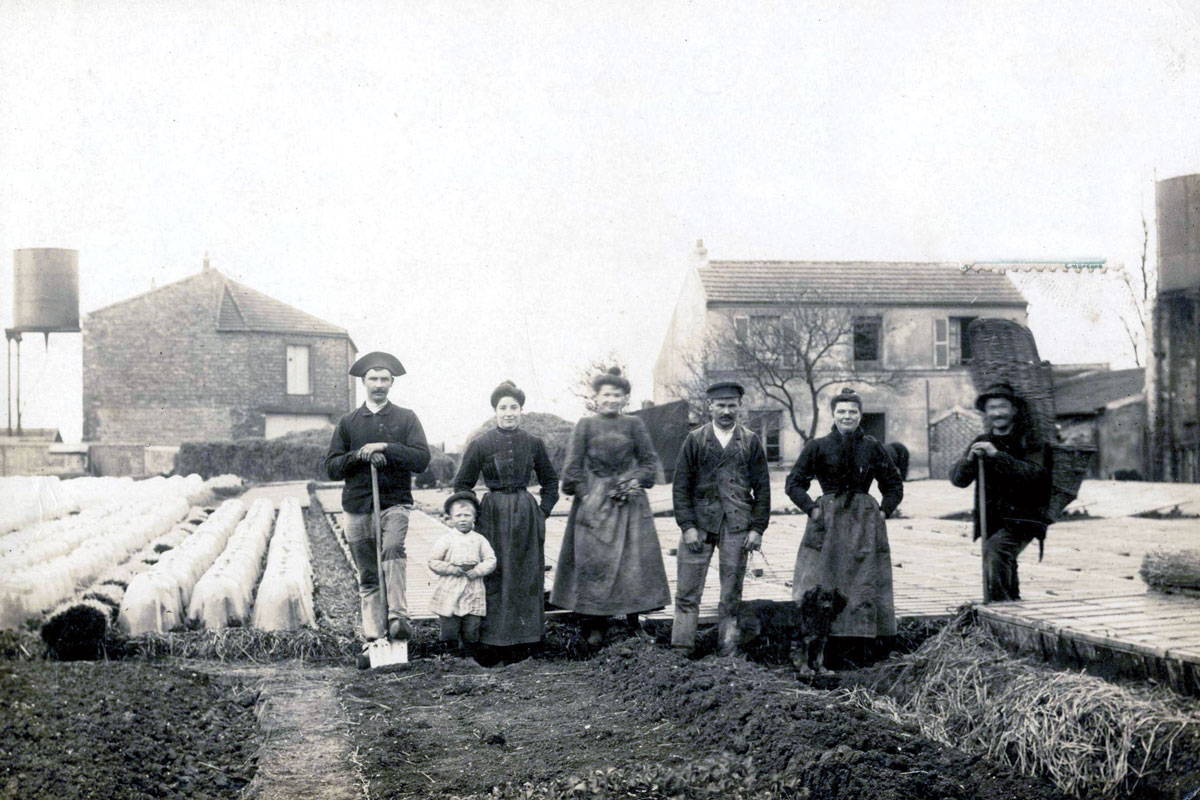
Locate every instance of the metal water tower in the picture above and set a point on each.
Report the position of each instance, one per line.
(45, 300)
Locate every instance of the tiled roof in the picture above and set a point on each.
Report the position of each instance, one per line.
(244, 309)
(856, 282)
(240, 308)
(1083, 394)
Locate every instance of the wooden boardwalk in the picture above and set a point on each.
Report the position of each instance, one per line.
(1143, 635)
(768, 577)
(1084, 603)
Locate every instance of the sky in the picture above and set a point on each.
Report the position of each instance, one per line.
(497, 190)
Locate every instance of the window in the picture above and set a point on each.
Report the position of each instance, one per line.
(941, 343)
(297, 370)
(960, 343)
(868, 338)
(765, 339)
(787, 340)
(741, 333)
(767, 424)
(951, 346)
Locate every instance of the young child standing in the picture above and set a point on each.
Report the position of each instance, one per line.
(461, 559)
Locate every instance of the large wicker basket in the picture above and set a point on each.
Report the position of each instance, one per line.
(1003, 350)
(1069, 466)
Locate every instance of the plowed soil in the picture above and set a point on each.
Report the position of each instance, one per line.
(641, 721)
(129, 730)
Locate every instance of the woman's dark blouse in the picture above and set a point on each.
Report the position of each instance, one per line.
(506, 458)
(822, 459)
(606, 446)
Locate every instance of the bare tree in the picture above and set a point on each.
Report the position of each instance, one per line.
(790, 355)
(1138, 302)
(583, 384)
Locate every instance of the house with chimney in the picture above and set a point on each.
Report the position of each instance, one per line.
(894, 331)
(207, 358)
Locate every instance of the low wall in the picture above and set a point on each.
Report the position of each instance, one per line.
(135, 460)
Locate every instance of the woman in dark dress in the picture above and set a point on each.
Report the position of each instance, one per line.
(845, 543)
(511, 520)
(611, 562)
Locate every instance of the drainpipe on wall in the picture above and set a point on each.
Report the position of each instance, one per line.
(928, 434)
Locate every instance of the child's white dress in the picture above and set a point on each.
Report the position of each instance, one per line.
(459, 595)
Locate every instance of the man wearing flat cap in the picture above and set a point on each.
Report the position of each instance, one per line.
(722, 499)
(391, 438)
(1016, 486)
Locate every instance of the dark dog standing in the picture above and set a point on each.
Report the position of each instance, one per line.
(800, 631)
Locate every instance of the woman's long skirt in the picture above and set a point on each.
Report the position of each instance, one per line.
(847, 549)
(610, 562)
(513, 524)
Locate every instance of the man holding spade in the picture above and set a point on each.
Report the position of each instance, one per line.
(1009, 470)
(382, 438)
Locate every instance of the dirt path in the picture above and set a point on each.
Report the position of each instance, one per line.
(306, 750)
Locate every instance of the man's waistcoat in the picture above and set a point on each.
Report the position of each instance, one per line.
(723, 481)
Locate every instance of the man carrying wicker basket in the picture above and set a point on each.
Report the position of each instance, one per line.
(1008, 465)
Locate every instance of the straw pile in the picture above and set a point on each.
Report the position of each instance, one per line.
(1171, 570)
(246, 644)
(1088, 736)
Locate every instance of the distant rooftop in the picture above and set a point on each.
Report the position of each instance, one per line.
(240, 308)
(856, 282)
(1085, 394)
(244, 309)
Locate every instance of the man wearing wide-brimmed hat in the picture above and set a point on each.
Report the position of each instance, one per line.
(391, 438)
(1016, 487)
(722, 498)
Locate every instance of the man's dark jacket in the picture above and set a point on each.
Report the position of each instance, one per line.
(406, 453)
(730, 484)
(1016, 483)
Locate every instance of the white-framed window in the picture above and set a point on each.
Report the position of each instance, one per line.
(951, 346)
(298, 376)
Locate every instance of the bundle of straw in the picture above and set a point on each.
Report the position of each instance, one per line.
(247, 644)
(1168, 570)
(1088, 736)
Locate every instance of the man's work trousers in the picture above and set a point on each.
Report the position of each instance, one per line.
(693, 568)
(360, 533)
(1000, 553)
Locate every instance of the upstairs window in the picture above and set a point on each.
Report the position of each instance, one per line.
(951, 346)
(297, 370)
(868, 339)
(960, 344)
(787, 340)
(741, 333)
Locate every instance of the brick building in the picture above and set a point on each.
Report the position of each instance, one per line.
(206, 358)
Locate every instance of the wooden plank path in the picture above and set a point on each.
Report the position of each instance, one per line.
(1084, 603)
(769, 573)
(1141, 635)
